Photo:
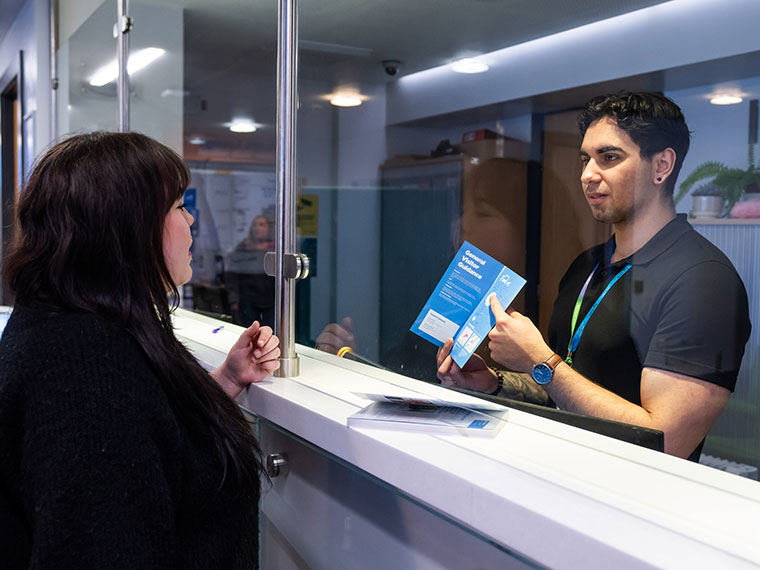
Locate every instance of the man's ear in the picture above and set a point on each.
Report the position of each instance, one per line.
(662, 165)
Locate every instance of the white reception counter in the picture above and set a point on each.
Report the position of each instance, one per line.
(539, 494)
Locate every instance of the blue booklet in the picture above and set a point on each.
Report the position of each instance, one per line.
(460, 307)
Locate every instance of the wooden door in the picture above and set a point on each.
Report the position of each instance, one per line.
(567, 226)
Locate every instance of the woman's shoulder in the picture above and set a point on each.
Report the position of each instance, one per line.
(43, 347)
(35, 328)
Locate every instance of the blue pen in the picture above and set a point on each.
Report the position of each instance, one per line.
(217, 329)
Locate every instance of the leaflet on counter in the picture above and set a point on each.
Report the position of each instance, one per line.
(459, 307)
(431, 418)
(452, 399)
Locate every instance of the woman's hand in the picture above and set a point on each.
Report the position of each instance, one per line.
(251, 359)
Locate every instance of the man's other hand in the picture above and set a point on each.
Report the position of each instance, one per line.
(475, 375)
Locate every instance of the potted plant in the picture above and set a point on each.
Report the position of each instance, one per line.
(707, 201)
(734, 183)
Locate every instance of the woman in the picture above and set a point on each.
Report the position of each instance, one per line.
(118, 450)
(250, 291)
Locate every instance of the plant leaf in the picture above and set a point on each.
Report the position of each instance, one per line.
(704, 170)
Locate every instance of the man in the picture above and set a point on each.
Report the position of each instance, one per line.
(649, 328)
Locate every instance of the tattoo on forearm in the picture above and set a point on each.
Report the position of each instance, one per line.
(520, 386)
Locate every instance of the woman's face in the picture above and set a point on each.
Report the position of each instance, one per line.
(177, 242)
(259, 228)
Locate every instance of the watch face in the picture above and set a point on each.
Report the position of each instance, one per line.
(542, 374)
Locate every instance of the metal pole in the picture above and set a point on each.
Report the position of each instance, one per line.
(121, 31)
(53, 12)
(287, 60)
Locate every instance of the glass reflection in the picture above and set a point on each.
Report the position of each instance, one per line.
(420, 196)
(389, 188)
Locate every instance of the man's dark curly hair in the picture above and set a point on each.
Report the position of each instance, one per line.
(653, 122)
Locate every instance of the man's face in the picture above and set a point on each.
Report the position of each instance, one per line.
(616, 180)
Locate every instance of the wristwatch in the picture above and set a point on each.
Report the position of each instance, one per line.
(543, 372)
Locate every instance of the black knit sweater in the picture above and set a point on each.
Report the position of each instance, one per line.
(96, 471)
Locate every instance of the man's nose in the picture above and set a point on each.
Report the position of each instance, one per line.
(590, 172)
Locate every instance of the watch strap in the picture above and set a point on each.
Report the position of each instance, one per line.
(553, 361)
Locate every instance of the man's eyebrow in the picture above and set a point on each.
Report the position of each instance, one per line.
(602, 150)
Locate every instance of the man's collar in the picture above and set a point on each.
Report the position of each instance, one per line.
(658, 244)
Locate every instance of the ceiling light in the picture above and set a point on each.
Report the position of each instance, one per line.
(725, 99)
(469, 65)
(242, 126)
(137, 61)
(175, 93)
(346, 100)
(197, 140)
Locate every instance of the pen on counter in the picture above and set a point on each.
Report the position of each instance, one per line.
(217, 329)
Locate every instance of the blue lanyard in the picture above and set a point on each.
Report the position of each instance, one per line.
(576, 334)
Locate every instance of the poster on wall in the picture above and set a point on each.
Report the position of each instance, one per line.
(227, 202)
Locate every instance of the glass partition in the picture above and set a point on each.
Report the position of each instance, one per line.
(86, 46)
(202, 80)
(400, 158)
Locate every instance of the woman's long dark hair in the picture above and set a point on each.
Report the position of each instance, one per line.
(90, 238)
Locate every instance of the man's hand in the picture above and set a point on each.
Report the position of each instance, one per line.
(251, 359)
(515, 343)
(335, 336)
(478, 377)
(474, 376)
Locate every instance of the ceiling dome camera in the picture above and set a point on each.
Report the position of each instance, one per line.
(391, 66)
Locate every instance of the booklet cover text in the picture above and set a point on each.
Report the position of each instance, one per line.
(459, 307)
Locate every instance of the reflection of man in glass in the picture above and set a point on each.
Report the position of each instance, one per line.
(650, 327)
(250, 291)
(493, 219)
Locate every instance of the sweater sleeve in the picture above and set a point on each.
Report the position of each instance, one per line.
(98, 461)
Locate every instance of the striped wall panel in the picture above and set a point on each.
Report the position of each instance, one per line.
(741, 420)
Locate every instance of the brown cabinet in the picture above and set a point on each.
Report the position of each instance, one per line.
(567, 226)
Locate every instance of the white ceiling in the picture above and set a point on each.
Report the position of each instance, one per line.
(229, 42)
(420, 33)
(230, 46)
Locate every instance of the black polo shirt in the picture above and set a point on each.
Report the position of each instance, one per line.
(681, 307)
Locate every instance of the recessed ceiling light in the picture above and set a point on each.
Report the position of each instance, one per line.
(197, 140)
(346, 100)
(137, 61)
(725, 99)
(469, 65)
(242, 125)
